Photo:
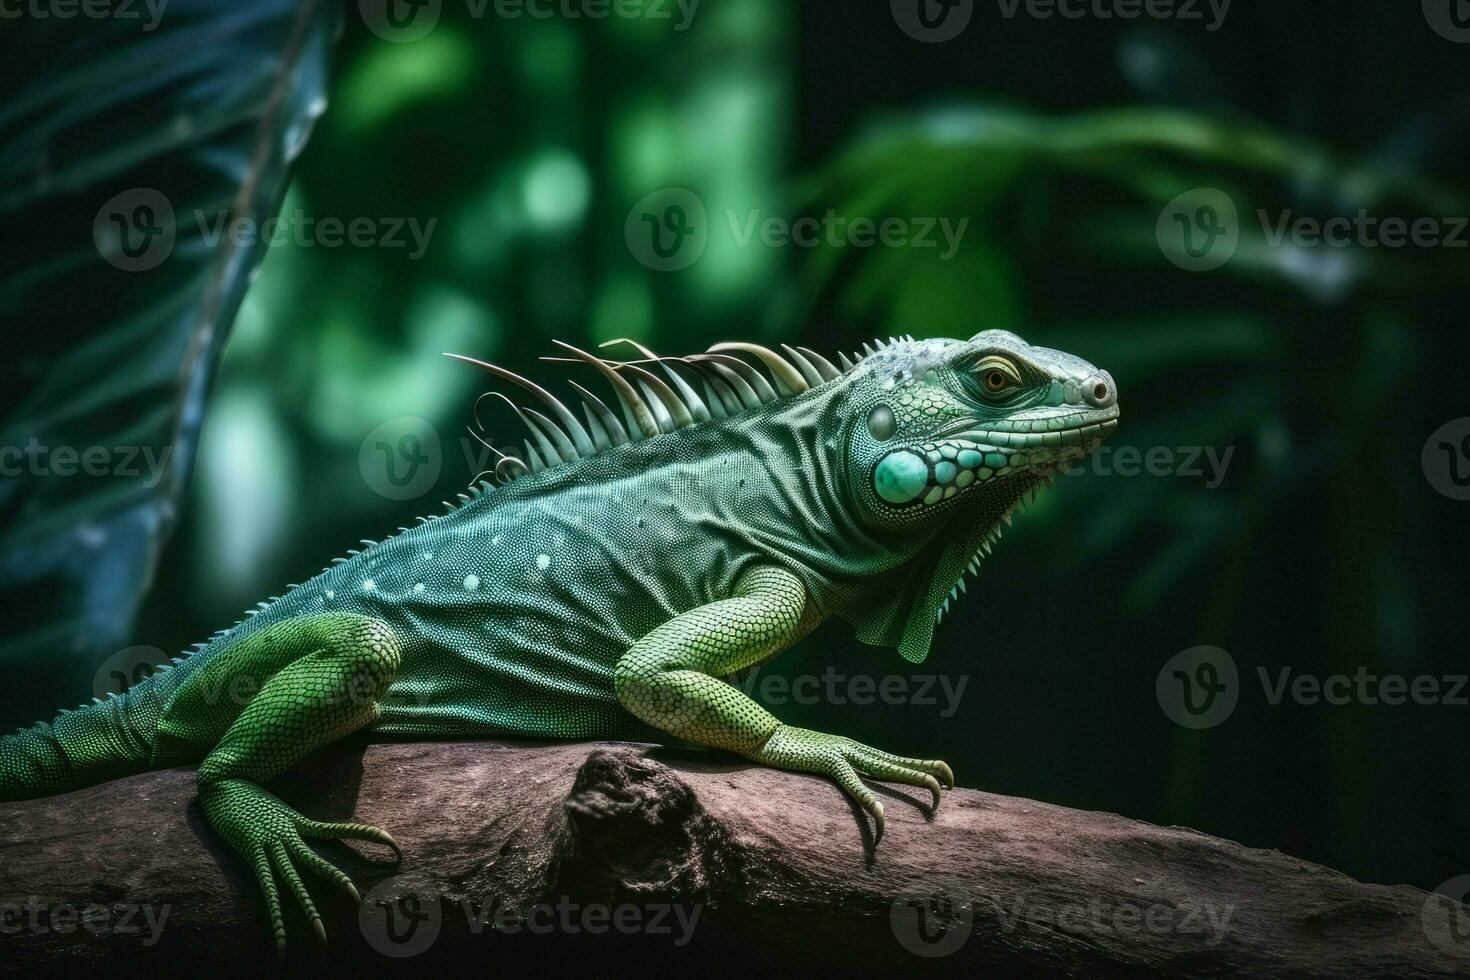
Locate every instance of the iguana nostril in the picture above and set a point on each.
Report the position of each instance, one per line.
(1098, 390)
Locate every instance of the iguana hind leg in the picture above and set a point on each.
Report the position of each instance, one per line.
(671, 680)
(322, 677)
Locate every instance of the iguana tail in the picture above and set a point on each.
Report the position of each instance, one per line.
(89, 745)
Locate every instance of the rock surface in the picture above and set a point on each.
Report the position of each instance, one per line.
(520, 855)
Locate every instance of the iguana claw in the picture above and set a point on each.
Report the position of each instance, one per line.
(272, 838)
(847, 761)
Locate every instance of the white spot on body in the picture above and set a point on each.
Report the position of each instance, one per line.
(368, 585)
(543, 561)
(471, 582)
(495, 541)
(418, 587)
(331, 594)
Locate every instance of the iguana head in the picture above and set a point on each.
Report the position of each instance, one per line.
(949, 438)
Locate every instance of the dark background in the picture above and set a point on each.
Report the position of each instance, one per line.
(1325, 548)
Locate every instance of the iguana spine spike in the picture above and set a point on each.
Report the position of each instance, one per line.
(640, 419)
(558, 439)
(696, 406)
(825, 368)
(579, 436)
(509, 468)
(616, 434)
(678, 411)
(749, 398)
(809, 372)
(757, 381)
(660, 410)
(788, 379)
(722, 390)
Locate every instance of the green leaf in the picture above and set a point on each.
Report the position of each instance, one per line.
(122, 159)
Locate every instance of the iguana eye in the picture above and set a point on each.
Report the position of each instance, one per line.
(996, 375)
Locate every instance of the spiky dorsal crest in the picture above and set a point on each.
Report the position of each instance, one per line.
(656, 395)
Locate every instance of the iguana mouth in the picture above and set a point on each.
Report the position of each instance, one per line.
(1046, 432)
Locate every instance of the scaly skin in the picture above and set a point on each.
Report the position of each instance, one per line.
(608, 593)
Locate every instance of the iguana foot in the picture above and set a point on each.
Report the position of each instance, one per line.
(272, 838)
(803, 750)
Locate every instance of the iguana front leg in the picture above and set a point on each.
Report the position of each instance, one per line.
(671, 680)
(321, 677)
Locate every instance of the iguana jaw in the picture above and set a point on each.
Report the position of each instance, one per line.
(959, 548)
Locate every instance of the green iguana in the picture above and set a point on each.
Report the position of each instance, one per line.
(614, 577)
